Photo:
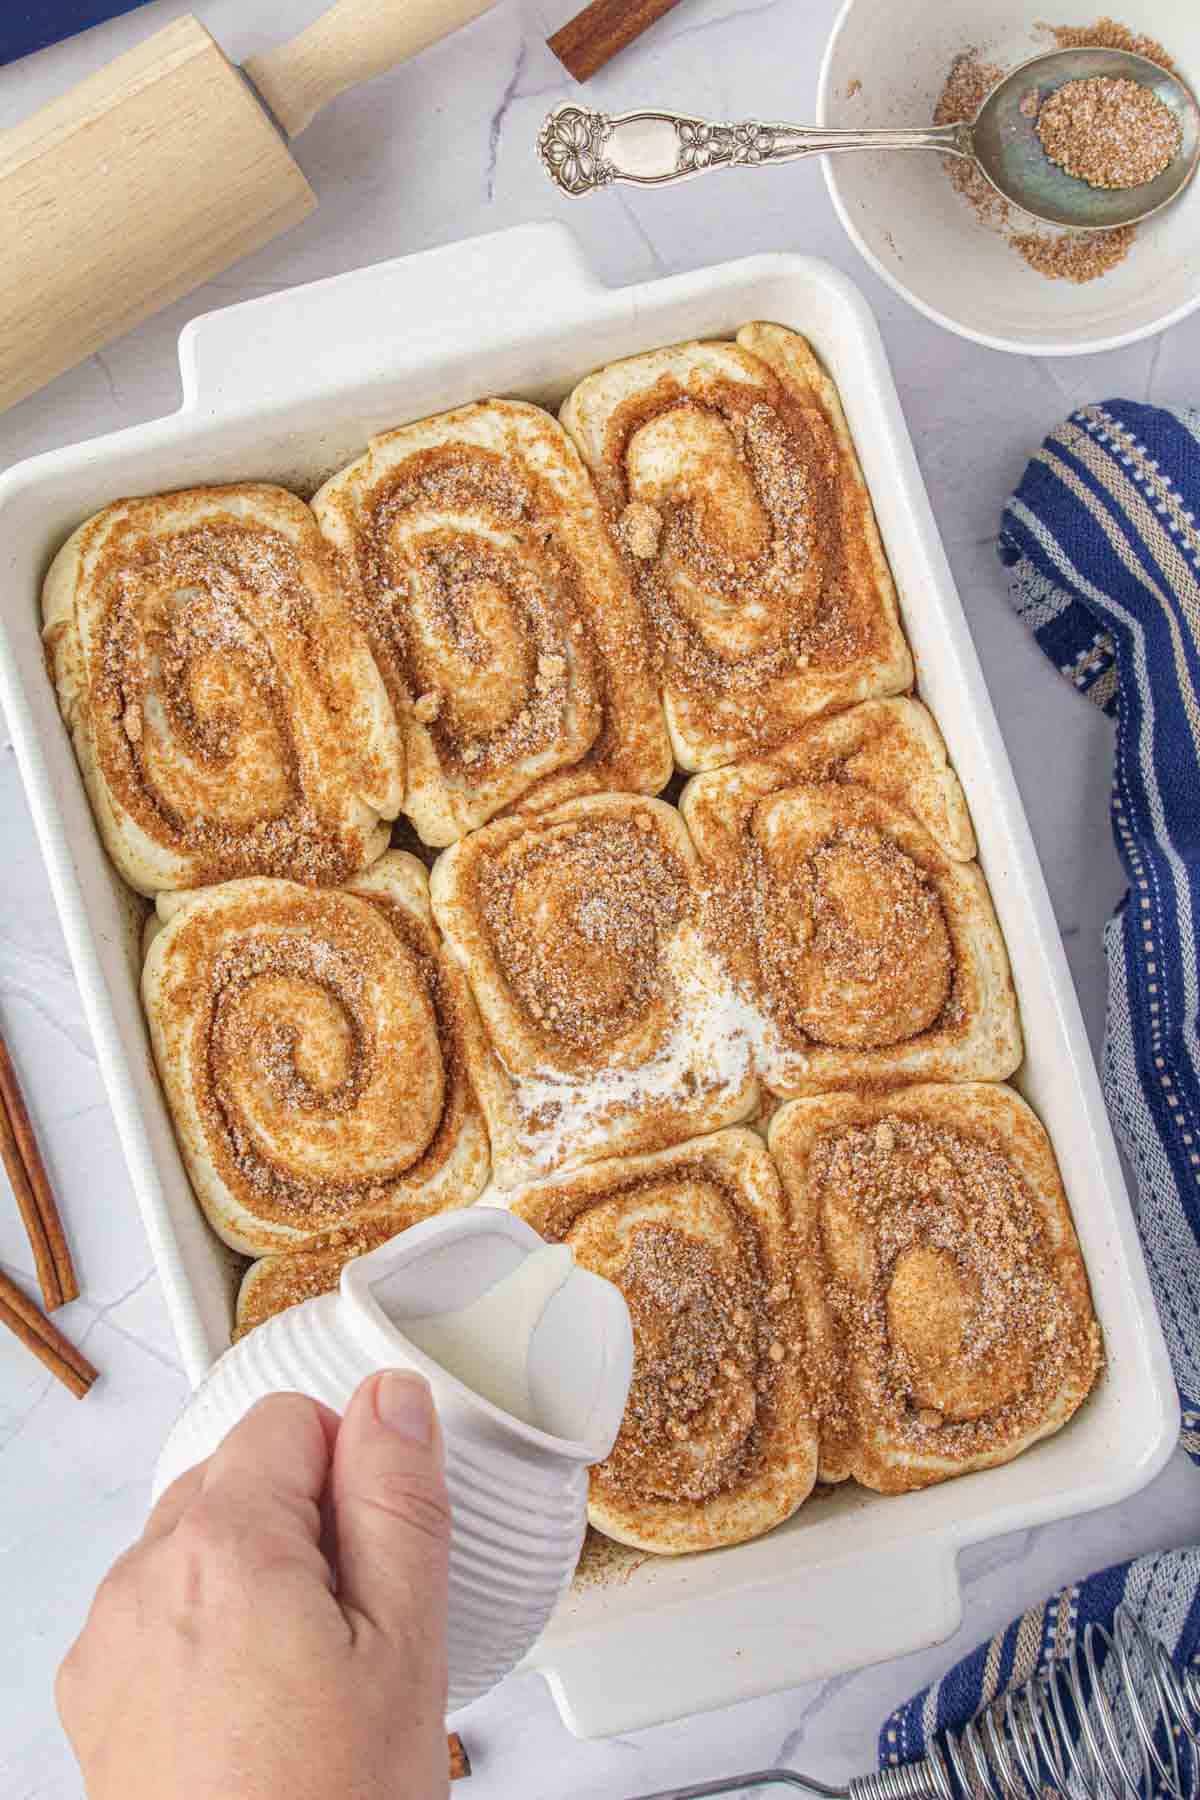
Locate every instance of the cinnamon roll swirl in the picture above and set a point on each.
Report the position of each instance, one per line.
(936, 1220)
(313, 1046)
(497, 609)
(845, 913)
(225, 709)
(718, 1443)
(731, 481)
(610, 1026)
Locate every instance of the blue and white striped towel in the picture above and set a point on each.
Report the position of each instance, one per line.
(1103, 548)
(1161, 1592)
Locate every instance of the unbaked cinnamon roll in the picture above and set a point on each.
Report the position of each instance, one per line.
(225, 709)
(718, 1442)
(729, 476)
(843, 908)
(497, 609)
(610, 1027)
(273, 1283)
(936, 1220)
(313, 1047)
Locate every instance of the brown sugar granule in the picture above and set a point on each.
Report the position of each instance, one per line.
(766, 561)
(577, 918)
(957, 1319)
(845, 944)
(1107, 34)
(605, 1563)
(176, 607)
(307, 1273)
(533, 591)
(689, 544)
(967, 86)
(800, 570)
(245, 1053)
(1074, 255)
(1109, 133)
(1060, 256)
(640, 527)
(843, 939)
(968, 83)
(686, 1302)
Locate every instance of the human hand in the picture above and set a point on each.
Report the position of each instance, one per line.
(280, 1629)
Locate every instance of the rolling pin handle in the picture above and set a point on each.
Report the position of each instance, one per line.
(349, 43)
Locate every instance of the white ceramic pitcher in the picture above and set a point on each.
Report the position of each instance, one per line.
(518, 1495)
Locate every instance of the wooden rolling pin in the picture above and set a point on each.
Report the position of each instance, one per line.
(158, 172)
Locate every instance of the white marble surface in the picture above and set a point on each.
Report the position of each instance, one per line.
(441, 150)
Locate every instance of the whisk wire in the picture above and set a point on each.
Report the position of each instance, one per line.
(1017, 1746)
(1118, 1648)
(1055, 1734)
(1113, 1721)
(1139, 1777)
(1177, 1699)
(1001, 1751)
(1082, 1733)
(1172, 1711)
(1092, 1706)
(1041, 1745)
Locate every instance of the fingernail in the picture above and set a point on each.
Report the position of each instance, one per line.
(404, 1404)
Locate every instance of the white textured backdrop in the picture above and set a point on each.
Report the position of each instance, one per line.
(440, 150)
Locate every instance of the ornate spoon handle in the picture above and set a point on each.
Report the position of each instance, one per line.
(582, 150)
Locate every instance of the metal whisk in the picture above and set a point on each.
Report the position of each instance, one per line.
(1114, 1721)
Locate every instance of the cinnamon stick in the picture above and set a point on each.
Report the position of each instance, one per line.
(594, 36)
(34, 1195)
(46, 1341)
(460, 1762)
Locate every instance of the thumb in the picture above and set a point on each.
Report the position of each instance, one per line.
(391, 1519)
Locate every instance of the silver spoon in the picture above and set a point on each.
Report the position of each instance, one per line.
(584, 150)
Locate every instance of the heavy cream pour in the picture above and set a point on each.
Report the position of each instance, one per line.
(486, 1344)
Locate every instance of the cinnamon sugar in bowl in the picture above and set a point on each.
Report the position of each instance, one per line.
(983, 275)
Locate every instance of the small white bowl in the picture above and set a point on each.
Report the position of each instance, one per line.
(924, 238)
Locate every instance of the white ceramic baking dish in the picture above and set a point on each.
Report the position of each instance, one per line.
(287, 388)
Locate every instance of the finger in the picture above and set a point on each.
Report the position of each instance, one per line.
(172, 1504)
(392, 1520)
(183, 1490)
(274, 1464)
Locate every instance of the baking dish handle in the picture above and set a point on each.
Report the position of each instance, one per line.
(380, 322)
(706, 1651)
